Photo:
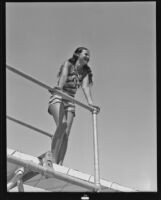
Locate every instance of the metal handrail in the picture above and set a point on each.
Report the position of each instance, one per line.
(29, 126)
(49, 88)
(65, 96)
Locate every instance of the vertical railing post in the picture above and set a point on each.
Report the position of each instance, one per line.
(96, 154)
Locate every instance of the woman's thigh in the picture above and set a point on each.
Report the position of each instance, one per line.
(58, 113)
(69, 121)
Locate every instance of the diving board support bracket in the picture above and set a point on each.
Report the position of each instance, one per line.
(17, 179)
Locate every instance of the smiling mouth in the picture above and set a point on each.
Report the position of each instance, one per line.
(86, 59)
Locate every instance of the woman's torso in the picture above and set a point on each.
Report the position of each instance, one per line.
(74, 79)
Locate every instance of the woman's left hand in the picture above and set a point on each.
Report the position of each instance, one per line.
(96, 108)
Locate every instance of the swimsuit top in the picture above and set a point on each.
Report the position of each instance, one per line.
(74, 78)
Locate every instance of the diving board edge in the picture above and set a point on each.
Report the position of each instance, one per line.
(72, 173)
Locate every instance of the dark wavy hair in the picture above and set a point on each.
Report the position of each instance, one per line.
(74, 58)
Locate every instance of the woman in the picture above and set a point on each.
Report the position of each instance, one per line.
(74, 73)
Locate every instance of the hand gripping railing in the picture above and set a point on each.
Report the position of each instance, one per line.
(94, 114)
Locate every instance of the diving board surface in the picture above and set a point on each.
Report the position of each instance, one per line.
(36, 180)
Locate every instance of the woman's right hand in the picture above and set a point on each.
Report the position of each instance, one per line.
(52, 90)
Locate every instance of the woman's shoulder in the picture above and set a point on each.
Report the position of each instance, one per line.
(65, 66)
(66, 63)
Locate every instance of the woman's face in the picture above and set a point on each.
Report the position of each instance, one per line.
(84, 56)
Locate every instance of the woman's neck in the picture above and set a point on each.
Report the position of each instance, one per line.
(78, 64)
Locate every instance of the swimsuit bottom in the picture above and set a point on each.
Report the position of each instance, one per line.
(68, 105)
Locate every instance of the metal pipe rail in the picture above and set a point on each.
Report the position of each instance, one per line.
(49, 88)
(29, 126)
(65, 96)
(50, 172)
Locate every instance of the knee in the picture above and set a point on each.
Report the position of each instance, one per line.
(61, 129)
(63, 125)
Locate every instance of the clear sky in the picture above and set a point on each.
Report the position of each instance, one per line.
(122, 43)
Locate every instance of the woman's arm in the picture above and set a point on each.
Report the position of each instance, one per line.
(64, 74)
(87, 90)
(63, 77)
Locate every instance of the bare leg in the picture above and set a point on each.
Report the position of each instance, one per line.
(57, 111)
(63, 150)
(64, 144)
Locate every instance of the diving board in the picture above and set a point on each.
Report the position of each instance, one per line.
(64, 179)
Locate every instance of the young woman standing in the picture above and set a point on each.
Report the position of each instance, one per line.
(74, 73)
